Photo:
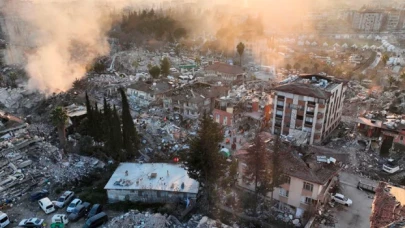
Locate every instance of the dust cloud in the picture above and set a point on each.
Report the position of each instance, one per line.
(57, 39)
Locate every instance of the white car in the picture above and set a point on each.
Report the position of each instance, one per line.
(339, 198)
(60, 218)
(46, 205)
(64, 199)
(31, 222)
(391, 166)
(73, 205)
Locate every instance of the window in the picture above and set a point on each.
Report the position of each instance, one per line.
(158, 194)
(139, 193)
(288, 179)
(279, 113)
(300, 117)
(306, 200)
(283, 192)
(225, 122)
(217, 118)
(308, 186)
(309, 119)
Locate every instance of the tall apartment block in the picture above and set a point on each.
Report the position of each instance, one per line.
(308, 103)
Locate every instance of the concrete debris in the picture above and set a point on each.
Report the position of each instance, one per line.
(147, 220)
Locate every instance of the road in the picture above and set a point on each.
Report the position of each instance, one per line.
(374, 63)
(359, 213)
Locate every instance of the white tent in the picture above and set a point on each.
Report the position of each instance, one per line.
(307, 43)
(391, 48)
(301, 43)
(381, 48)
(378, 37)
(344, 45)
(314, 43)
(361, 36)
(373, 47)
(354, 46)
(336, 45)
(365, 47)
(325, 44)
(369, 37)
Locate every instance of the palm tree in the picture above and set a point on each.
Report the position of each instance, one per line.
(59, 118)
(240, 48)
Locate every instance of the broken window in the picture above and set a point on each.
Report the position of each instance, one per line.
(284, 192)
(308, 186)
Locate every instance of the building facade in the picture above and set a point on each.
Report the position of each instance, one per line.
(368, 21)
(311, 104)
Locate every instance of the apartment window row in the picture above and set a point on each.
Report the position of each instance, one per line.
(308, 186)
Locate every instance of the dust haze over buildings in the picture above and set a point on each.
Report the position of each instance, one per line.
(56, 40)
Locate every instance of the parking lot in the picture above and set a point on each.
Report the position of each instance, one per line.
(357, 215)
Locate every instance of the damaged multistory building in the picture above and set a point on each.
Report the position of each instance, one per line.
(143, 93)
(193, 100)
(307, 103)
(388, 209)
(310, 176)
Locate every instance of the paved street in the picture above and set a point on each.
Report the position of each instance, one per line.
(358, 215)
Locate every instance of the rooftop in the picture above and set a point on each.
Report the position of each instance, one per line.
(154, 88)
(316, 86)
(388, 206)
(225, 68)
(153, 176)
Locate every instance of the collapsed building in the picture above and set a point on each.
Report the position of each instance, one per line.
(192, 100)
(143, 93)
(388, 209)
(308, 103)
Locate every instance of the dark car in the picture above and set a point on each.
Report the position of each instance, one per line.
(35, 196)
(79, 212)
(96, 221)
(97, 208)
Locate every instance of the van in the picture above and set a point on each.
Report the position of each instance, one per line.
(46, 205)
(4, 221)
(96, 221)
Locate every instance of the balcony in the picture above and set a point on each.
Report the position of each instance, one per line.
(310, 114)
(280, 98)
(318, 126)
(300, 112)
(279, 117)
(310, 104)
(319, 115)
(280, 108)
(298, 123)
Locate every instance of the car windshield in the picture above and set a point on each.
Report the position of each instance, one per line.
(345, 198)
(61, 199)
(72, 204)
(37, 221)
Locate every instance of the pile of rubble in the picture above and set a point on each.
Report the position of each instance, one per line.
(134, 218)
(14, 99)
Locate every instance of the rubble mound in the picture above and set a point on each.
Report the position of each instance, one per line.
(134, 218)
(14, 99)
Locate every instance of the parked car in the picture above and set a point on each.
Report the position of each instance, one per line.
(391, 166)
(73, 205)
(78, 213)
(4, 221)
(60, 219)
(339, 198)
(97, 208)
(96, 221)
(39, 195)
(31, 222)
(46, 205)
(65, 199)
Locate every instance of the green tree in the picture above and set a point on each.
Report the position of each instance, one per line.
(288, 67)
(197, 61)
(258, 163)
(385, 58)
(165, 67)
(240, 48)
(130, 136)
(154, 71)
(135, 64)
(59, 118)
(277, 176)
(179, 33)
(116, 136)
(297, 66)
(204, 161)
(305, 69)
(90, 123)
(99, 67)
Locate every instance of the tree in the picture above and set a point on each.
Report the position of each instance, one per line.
(305, 69)
(99, 67)
(204, 161)
(179, 33)
(391, 80)
(154, 71)
(316, 66)
(240, 48)
(297, 66)
(258, 162)
(165, 67)
(385, 58)
(13, 78)
(277, 176)
(135, 64)
(130, 136)
(288, 67)
(59, 118)
(116, 136)
(197, 61)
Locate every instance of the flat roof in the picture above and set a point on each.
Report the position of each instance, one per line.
(152, 176)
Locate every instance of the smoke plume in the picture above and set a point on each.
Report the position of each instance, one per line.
(55, 41)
